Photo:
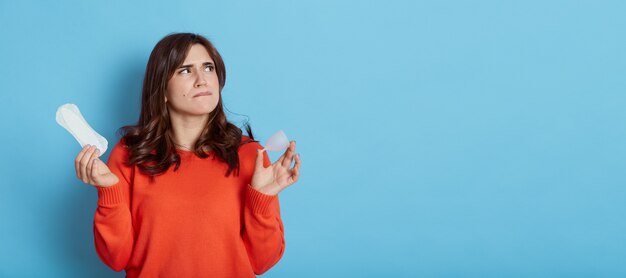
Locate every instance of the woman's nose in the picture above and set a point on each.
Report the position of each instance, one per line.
(200, 80)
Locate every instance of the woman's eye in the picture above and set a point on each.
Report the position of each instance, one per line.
(209, 68)
(184, 71)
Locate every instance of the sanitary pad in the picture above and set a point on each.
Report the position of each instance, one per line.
(69, 117)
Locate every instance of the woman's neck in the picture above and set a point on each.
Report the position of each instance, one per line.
(187, 129)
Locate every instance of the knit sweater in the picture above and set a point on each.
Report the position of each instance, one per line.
(192, 222)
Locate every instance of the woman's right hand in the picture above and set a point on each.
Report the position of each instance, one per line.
(92, 170)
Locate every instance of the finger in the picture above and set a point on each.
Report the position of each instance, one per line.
(286, 162)
(84, 162)
(259, 159)
(282, 157)
(95, 170)
(92, 161)
(79, 157)
(295, 172)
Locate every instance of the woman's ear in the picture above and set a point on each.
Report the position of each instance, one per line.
(165, 99)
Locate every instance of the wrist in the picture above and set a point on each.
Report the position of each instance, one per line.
(266, 189)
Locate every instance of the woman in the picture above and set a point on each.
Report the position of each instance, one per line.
(184, 193)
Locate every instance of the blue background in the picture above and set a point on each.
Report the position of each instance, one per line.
(438, 138)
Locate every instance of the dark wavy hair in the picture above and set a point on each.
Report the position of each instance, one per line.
(150, 143)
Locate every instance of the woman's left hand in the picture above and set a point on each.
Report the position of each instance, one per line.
(277, 176)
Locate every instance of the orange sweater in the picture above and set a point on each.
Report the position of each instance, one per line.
(192, 222)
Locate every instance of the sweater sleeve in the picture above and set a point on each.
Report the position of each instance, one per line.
(113, 230)
(263, 233)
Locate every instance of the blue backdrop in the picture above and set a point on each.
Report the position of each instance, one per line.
(438, 138)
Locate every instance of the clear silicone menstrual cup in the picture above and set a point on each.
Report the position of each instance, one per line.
(277, 142)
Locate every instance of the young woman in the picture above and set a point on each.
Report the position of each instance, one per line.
(184, 193)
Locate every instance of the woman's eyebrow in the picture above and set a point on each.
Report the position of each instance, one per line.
(188, 66)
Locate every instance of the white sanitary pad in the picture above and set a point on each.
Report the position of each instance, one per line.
(69, 117)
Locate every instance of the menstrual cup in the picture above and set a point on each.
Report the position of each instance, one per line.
(277, 142)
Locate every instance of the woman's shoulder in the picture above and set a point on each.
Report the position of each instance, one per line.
(248, 152)
(249, 144)
(120, 150)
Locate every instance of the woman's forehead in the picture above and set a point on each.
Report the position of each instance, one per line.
(197, 54)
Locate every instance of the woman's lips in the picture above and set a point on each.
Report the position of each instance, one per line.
(203, 94)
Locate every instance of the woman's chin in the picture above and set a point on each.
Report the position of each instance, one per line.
(202, 109)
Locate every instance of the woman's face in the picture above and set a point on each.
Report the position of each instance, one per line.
(194, 87)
